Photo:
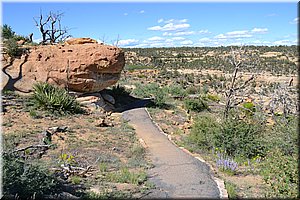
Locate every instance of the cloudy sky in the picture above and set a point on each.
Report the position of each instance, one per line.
(151, 24)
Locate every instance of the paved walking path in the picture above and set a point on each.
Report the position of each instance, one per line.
(176, 173)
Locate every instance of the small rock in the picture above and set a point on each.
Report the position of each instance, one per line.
(66, 195)
(21, 42)
(46, 137)
(108, 98)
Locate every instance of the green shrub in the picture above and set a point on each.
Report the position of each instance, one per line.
(212, 97)
(196, 105)
(152, 90)
(11, 47)
(103, 167)
(177, 90)
(55, 100)
(203, 131)
(125, 176)
(249, 107)
(137, 67)
(231, 189)
(137, 156)
(192, 90)
(107, 194)
(75, 180)
(160, 98)
(26, 180)
(145, 91)
(7, 32)
(241, 138)
(119, 91)
(20, 37)
(280, 172)
(284, 135)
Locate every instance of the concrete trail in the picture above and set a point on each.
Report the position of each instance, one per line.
(176, 173)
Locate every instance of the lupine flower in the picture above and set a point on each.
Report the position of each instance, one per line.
(226, 163)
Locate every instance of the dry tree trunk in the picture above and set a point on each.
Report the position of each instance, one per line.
(237, 61)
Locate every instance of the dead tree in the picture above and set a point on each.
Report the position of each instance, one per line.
(116, 42)
(238, 60)
(30, 37)
(41, 24)
(51, 28)
(283, 99)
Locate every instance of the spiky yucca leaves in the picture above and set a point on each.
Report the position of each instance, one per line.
(54, 99)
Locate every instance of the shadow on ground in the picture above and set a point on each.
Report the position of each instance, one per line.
(124, 101)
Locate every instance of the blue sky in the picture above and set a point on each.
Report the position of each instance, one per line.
(150, 24)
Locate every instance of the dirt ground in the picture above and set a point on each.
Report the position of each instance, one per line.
(105, 146)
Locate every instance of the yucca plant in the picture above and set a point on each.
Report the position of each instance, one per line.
(54, 99)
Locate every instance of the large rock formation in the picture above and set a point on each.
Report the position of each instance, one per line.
(72, 41)
(79, 67)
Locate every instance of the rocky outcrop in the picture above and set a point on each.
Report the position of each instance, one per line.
(94, 101)
(72, 41)
(79, 67)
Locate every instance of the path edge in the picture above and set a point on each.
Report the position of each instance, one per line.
(220, 183)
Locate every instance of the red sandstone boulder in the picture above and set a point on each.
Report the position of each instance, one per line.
(72, 41)
(79, 67)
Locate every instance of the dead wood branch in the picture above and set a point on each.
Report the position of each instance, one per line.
(238, 60)
(68, 170)
(33, 147)
(51, 28)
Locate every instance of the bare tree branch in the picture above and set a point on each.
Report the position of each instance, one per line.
(51, 28)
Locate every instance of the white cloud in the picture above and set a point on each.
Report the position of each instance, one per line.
(181, 33)
(154, 28)
(169, 40)
(235, 44)
(160, 20)
(171, 25)
(142, 11)
(203, 31)
(234, 35)
(221, 36)
(184, 33)
(174, 39)
(174, 27)
(156, 38)
(238, 35)
(176, 21)
(157, 44)
(259, 42)
(259, 30)
(205, 40)
(125, 14)
(285, 42)
(128, 42)
(295, 21)
(237, 32)
(178, 38)
(37, 40)
(186, 42)
(141, 45)
(167, 34)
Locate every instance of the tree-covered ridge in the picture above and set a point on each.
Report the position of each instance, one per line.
(274, 59)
